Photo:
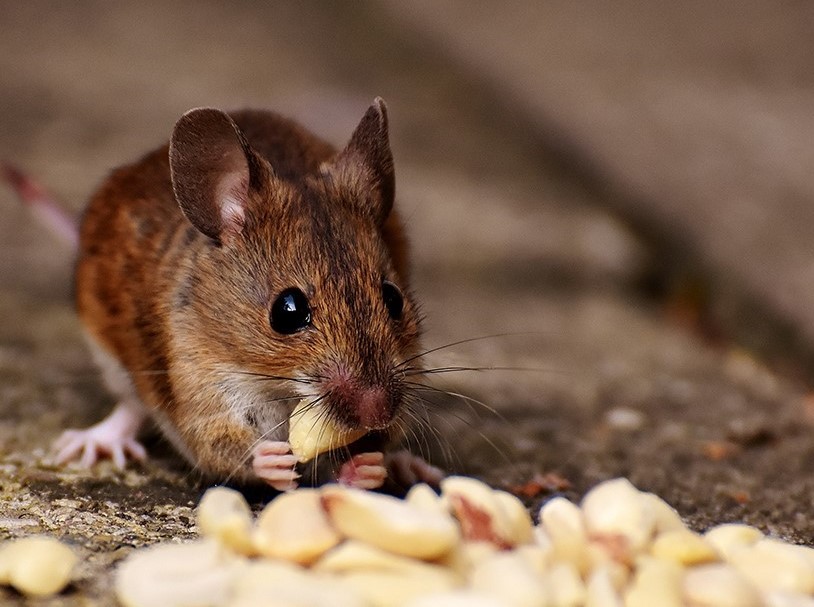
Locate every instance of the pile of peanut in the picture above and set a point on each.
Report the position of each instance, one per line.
(471, 546)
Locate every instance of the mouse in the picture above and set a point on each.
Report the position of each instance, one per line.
(243, 266)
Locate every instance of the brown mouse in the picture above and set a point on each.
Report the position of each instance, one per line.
(243, 266)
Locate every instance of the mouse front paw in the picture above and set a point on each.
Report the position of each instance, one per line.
(275, 464)
(363, 471)
(113, 437)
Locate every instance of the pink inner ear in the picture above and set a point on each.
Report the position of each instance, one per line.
(232, 196)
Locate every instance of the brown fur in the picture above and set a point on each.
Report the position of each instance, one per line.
(186, 311)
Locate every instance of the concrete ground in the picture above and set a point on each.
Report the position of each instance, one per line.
(560, 185)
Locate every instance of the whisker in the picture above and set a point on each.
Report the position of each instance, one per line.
(243, 409)
(266, 376)
(450, 456)
(448, 451)
(470, 402)
(416, 409)
(411, 430)
(422, 423)
(455, 368)
(468, 399)
(467, 341)
(247, 454)
(498, 450)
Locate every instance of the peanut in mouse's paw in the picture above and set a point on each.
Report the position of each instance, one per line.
(363, 471)
(275, 464)
(312, 431)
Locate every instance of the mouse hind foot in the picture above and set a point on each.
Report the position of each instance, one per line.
(113, 437)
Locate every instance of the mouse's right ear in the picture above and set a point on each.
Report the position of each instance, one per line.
(213, 172)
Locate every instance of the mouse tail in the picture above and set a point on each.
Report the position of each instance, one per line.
(49, 212)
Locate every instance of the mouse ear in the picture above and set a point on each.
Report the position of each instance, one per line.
(213, 172)
(366, 164)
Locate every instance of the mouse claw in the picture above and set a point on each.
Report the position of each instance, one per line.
(129, 448)
(275, 464)
(363, 471)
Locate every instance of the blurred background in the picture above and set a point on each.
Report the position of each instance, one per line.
(629, 185)
(539, 128)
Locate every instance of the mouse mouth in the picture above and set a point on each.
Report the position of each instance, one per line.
(375, 440)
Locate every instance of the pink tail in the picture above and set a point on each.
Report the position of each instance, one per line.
(49, 212)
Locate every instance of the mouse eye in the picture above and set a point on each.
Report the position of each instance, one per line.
(290, 312)
(393, 300)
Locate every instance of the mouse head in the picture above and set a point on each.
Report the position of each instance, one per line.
(308, 257)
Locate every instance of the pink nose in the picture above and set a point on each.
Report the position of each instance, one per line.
(362, 406)
(371, 408)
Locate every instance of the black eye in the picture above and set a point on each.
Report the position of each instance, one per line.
(290, 312)
(393, 300)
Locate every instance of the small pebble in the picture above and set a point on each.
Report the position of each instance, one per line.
(623, 418)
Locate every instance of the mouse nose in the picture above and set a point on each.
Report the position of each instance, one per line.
(358, 404)
(372, 409)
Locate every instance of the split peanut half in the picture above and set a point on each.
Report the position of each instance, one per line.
(312, 431)
(36, 566)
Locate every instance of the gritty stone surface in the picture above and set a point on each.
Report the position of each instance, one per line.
(503, 246)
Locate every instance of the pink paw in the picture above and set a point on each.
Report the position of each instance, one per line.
(96, 442)
(363, 471)
(275, 464)
(114, 437)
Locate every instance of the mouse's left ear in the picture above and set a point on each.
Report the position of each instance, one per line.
(365, 166)
(213, 172)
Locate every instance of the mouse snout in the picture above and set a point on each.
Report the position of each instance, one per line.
(360, 405)
(371, 408)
